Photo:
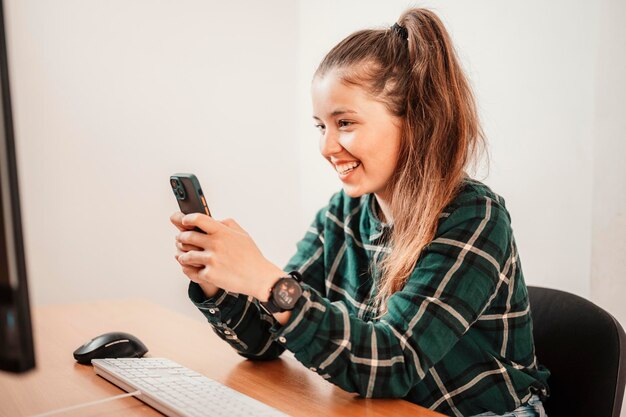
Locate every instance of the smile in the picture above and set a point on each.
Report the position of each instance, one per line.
(343, 169)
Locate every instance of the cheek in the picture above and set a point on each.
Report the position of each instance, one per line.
(385, 160)
(387, 168)
(394, 144)
(350, 142)
(386, 156)
(394, 155)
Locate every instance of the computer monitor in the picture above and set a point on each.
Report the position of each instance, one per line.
(16, 340)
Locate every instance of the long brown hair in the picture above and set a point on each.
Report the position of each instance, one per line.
(413, 69)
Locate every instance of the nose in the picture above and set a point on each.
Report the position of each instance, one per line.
(329, 143)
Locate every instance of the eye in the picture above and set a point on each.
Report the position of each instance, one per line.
(320, 127)
(344, 123)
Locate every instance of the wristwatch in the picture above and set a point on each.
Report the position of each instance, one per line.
(284, 294)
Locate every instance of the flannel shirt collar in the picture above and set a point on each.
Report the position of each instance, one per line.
(377, 228)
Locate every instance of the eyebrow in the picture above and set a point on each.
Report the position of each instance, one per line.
(337, 113)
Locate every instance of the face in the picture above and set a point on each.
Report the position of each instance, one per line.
(359, 137)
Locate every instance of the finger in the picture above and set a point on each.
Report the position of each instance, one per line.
(177, 220)
(205, 274)
(195, 258)
(233, 225)
(178, 254)
(203, 222)
(197, 239)
(181, 260)
(192, 273)
(186, 248)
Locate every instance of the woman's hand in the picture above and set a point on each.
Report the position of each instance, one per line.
(191, 271)
(225, 257)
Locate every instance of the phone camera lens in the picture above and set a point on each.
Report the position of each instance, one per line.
(181, 192)
(174, 182)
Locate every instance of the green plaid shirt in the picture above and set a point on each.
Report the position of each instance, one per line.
(456, 339)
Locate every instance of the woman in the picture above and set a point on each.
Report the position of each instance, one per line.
(408, 283)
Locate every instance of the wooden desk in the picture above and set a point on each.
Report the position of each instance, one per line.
(59, 381)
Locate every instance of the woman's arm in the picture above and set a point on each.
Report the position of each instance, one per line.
(237, 318)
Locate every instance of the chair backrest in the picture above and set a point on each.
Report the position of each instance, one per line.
(584, 348)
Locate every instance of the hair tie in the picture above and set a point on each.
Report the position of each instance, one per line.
(401, 31)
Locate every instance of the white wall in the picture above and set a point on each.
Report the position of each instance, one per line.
(112, 97)
(608, 273)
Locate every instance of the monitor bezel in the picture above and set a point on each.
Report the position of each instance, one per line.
(18, 353)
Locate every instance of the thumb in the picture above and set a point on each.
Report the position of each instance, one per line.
(202, 222)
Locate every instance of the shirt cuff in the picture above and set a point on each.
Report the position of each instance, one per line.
(215, 308)
(305, 319)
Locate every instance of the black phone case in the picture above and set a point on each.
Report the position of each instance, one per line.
(192, 199)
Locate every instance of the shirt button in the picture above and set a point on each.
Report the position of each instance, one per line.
(282, 339)
(226, 332)
(212, 311)
(314, 369)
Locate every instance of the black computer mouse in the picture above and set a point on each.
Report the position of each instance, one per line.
(110, 345)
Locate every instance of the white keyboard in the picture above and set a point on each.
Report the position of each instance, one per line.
(178, 391)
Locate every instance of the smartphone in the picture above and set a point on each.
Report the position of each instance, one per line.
(188, 192)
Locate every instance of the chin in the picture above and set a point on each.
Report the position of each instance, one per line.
(354, 192)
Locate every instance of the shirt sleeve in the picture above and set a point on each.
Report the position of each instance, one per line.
(240, 321)
(455, 279)
(309, 257)
(237, 319)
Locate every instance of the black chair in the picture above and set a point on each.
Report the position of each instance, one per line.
(584, 348)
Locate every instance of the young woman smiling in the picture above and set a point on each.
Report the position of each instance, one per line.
(408, 283)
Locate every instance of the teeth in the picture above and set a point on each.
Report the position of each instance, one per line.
(345, 168)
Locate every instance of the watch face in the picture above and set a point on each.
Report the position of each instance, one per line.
(286, 293)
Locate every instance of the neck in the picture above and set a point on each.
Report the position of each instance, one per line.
(385, 214)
